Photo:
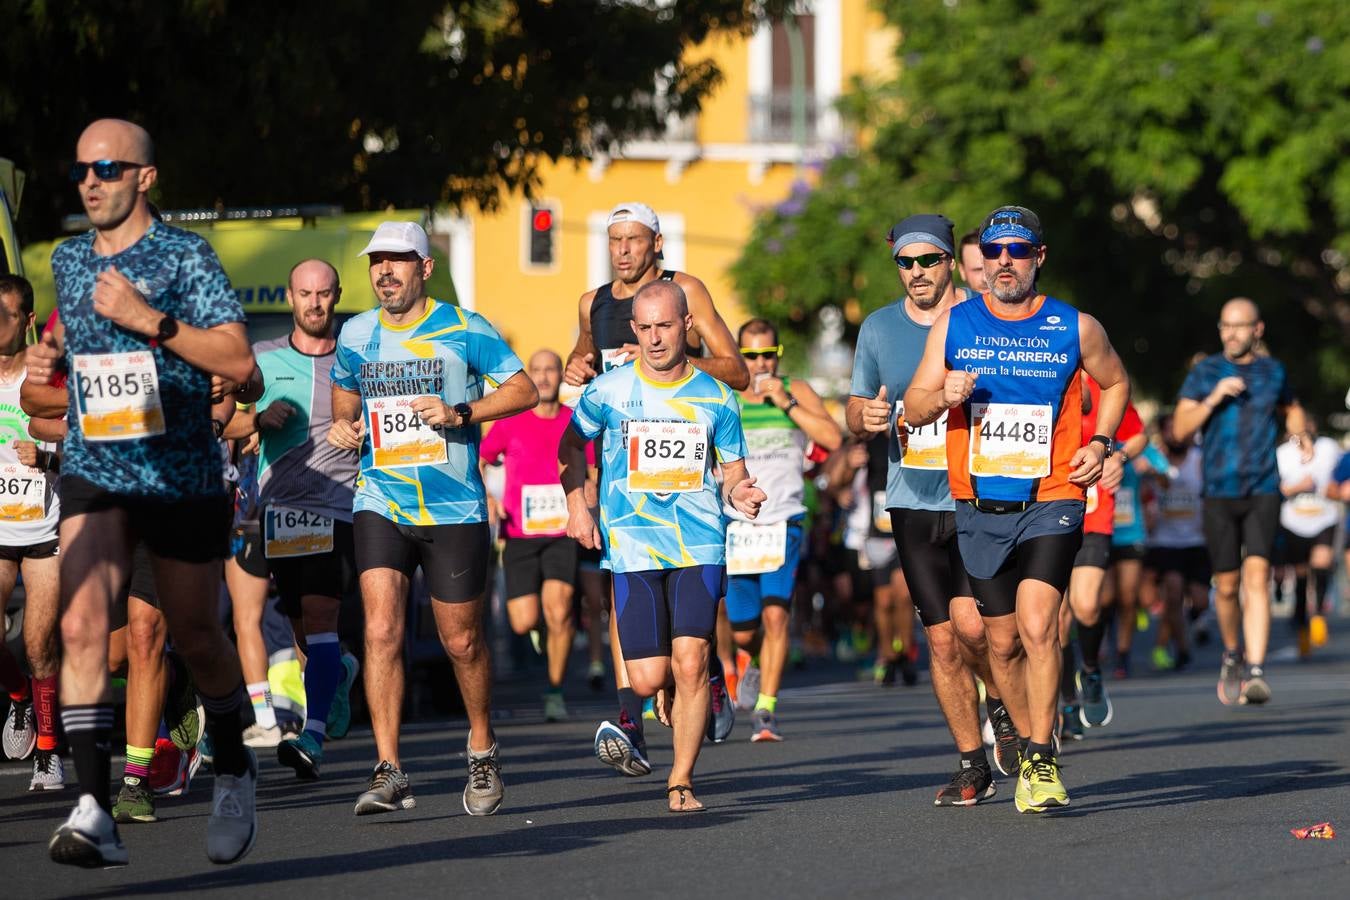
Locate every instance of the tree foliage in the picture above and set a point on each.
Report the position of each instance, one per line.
(412, 103)
(1178, 153)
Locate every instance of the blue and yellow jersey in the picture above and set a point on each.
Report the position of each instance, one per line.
(660, 507)
(410, 474)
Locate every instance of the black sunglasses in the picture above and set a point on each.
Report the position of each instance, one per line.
(925, 260)
(104, 169)
(1016, 250)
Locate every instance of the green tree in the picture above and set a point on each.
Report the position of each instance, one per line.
(413, 103)
(1178, 153)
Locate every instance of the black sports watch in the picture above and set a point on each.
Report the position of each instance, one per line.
(1104, 441)
(168, 327)
(465, 413)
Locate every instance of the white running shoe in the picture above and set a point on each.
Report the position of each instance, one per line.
(49, 774)
(88, 838)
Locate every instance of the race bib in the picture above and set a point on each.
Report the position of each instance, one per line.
(1124, 514)
(612, 359)
(117, 396)
(294, 532)
(666, 457)
(1308, 505)
(1178, 505)
(543, 508)
(924, 446)
(400, 438)
(1010, 440)
(23, 493)
(881, 516)
(755, 549)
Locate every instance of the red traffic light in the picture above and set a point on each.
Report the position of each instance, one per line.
(543, 219)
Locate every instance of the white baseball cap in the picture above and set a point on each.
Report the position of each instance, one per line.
(634, 212)
(398, 237)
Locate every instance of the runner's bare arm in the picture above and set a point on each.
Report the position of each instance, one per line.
(812, 417)
(348, 428)
(1099, 359)
(868, 417)
(252, 389)
(244, 423)
(723, 361)
(934, 387)
(581, 361)
(42, 401)
(573, 473)
(514, 395)
(50, 430)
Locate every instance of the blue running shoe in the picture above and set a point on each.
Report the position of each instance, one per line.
(1094, 705)
(621, 747)
(304, 754)
(723, 717)
(340, 713)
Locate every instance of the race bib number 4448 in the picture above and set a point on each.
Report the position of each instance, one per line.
(398, 436)
(117, 396)
(1011, 440)
(666, 457)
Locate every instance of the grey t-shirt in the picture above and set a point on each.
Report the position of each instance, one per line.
(890, 346)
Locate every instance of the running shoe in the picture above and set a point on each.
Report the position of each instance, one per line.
(171, 769)
(1317, 630)
(232, 826)
(1039, 786)
(20, 731)
(987, 731)
(968, 786)
(260, 738)
(1007, 745)
(1070, 725)
(1304, 641)
(596, 675)
(1254, 690)
(304, 754)
(340, 713)
(388, 791)
(483, 794)
(649, 709)
(622, 747)
(883, 673)
(764, 727)
(723, 717)
(182, 714)
(206, 749)
(1230, 679)
(135, 802)
(88, 838)
(909, 672)
(49, 774)
(1163, 660)
(747, 691)
(1095, 708)
(1122, 669)
(555, 710)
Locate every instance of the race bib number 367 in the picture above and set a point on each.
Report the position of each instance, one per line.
(117, 396)
(666, 457)
(1011, 440)
(23, 493)
(398, 436)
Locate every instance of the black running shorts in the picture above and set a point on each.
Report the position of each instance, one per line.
(1235, 528)
(931, 559)
(529, 562)
(454, 558)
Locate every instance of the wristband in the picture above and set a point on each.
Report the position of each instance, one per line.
(1104, 441)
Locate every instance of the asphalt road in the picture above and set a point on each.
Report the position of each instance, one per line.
(1178, 797)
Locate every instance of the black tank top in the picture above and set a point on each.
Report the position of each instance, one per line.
(610, 317)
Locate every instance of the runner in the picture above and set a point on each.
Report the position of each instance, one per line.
(1308, 518)
(305, 490)
(29, 511)
(779, 416)
(1232, 398)
(662, 514)
(1007, 368)
(1176, 548)
(408, 394)
(141, 461)
(540, 560)
(970, 263)
(605, 333)
(919, 502)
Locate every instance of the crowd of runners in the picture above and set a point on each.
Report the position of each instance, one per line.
(988, 475)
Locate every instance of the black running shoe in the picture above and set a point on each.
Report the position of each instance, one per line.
(1007, 745)
(968, 786)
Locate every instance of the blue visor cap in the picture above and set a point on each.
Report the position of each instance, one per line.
(1012, 222)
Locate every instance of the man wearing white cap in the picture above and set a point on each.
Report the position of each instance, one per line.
(605, 340)
(408, 394)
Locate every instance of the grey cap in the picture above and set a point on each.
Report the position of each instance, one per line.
(928, 228)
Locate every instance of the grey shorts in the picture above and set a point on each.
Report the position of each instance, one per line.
(988, 540)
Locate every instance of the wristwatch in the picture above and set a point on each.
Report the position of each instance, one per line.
(218, 427)
(792, 402)
(168, 327)
(1104, 441)
(465, 413)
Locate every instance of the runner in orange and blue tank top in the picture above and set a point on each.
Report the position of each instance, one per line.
(1007, 367)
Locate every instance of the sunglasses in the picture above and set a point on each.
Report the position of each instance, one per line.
(1016, 250)
(925, 260)
(104, 169)
(762, 352)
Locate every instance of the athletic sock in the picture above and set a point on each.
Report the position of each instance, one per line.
(89, 733)
(138, 762)
(766, 702)
(1032, 749)
(1090, 643)
(260, 696)
(631, 703)
(714, 664)
(1300, 611)
(12, 678)
(44, 710)
(976, 758)
(1067, 692)
(323, 675)
(1321, 579)
(224, 725)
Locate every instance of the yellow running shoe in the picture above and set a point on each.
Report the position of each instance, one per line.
(1038, 785)
(1317, 630)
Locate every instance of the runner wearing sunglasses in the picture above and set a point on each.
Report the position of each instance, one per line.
(780, 416)
(1005, 369)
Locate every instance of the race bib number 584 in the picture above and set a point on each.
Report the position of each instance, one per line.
(398, 436)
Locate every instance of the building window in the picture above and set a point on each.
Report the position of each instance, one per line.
(771, 104)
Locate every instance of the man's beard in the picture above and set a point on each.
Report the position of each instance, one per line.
(1019, 291)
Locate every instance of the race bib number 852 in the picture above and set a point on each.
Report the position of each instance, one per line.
(666, 457)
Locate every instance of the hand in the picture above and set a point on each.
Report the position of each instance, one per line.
(117, 299)
(27, 452)
(579, 370)
(1086, 466)
(876, 413)
(435, 412)
(1113, 472)
(581, 525)
(42, 360)
(747, 498)
(274, 417)
(1228, 387)
(251, 444)
(347, 435)
(958, 387)
(857, 456)
(495, 511)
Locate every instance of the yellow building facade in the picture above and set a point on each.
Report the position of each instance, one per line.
(706, 177)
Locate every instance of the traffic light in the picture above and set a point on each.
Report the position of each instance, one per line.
(543, 224)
